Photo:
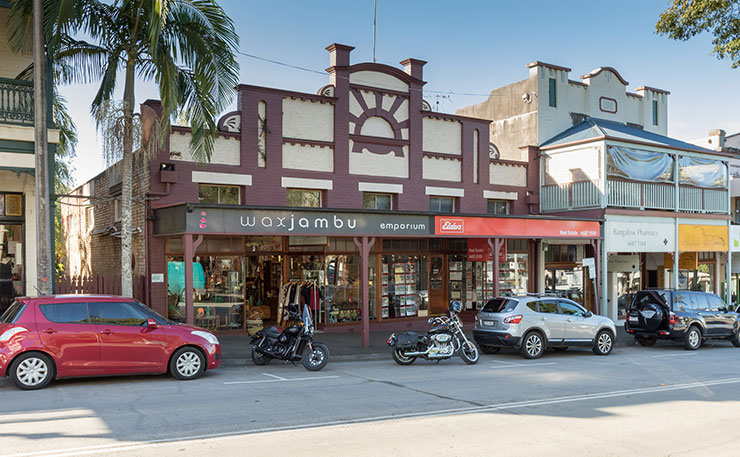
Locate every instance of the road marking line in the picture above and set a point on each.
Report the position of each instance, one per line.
(674, 355)
(280, 380)
(516, 365)
(273, 376)
(501, 361)
(73, 452)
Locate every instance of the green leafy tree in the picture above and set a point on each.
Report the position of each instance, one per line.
(685, 19)
(186, 47)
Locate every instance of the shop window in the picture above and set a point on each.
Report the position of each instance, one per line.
(264, 243)
(553, 98)
(564, 253)
(220, 195)
(404, 286)
(376, 201)
(498, 207)
(442, 204)
(457, 245)
(304, 198)
(221, 244)
(401, 245)
(174, 245)
(436, 245)
(516, 245)
(342, 245)
(11, 205)
(343, 291)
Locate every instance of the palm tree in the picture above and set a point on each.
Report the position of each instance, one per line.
(187, 47)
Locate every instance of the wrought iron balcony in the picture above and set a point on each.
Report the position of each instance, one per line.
(633, 194)
(16, 101)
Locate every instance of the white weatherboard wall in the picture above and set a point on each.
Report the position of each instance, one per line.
(571, 165)
(308, 120)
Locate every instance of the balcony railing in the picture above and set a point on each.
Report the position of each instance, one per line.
(16, 101)
(633, 194)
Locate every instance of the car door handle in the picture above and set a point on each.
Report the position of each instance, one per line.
(543, 318)
(570, 320)
(49, 331)
(106, 332)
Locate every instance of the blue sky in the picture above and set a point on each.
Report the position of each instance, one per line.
(470, 47)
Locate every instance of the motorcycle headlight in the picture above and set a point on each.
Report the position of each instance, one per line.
(210, 337)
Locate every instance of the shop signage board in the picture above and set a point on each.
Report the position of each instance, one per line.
(308, 241)
(591, 264)
(623, 263)
(703, 238)
(480, 251)
(686, 261)
(640, 235)
(302, 223)
(513, 227)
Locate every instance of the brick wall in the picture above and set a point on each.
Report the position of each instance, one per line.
(92, 248)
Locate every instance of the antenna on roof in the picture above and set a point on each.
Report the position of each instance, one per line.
(375, 16)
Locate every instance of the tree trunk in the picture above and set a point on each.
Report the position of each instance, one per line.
(43, 238)
(126, 182)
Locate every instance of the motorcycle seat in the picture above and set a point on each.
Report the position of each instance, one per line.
(272, 332)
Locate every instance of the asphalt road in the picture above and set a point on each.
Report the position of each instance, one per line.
(656, 401)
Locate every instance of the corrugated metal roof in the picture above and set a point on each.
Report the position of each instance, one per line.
(594, 128)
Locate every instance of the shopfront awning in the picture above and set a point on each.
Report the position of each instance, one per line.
(241, 220)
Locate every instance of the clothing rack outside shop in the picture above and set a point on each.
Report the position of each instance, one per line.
(300, 293)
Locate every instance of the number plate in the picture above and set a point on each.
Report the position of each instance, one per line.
(633, 319)
(489, 323)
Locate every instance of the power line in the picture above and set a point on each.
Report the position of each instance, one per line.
(323, 73)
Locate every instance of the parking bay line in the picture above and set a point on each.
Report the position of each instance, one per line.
(674, 355)
(516, 365)
(113, 447)
(279, 379)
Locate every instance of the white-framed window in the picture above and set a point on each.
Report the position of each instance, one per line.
(498, 207)
(218, 194)
(377, 201)
(303, 198)
(117, 209)
(442, 204)
(90, 217)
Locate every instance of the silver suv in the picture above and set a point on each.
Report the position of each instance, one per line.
(531, 323)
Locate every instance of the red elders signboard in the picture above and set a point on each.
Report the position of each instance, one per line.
(480, 251)
(511, 227)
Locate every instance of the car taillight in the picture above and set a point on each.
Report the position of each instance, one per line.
(672, 318)
(513, 319)
(11, 332)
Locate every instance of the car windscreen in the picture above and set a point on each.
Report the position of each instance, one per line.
(499, 305)
(660, 297)
(12, 314)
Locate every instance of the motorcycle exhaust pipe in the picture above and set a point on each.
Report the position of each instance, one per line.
(416, 354)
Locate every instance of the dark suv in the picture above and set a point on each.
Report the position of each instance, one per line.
(690, 316)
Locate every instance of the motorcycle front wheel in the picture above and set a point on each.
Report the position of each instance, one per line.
(315, 357)
(400, 358)
(469, 353)
(259, 358)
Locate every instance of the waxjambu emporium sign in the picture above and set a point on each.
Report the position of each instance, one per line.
(282, 222)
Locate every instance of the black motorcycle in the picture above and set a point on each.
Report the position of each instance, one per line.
(294, 344)
(441, 341)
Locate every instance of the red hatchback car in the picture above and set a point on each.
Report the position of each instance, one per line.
(62, 336)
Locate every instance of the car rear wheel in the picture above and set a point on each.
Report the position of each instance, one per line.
(187, 363)
(693, 338)
(533, 345)
(604, 343)
(32, 371)
(646, 340)
(489, 349)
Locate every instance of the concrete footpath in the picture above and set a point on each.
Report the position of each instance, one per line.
(343, 347)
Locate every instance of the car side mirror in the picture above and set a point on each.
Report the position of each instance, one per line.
(151, 324)
(589, 314)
